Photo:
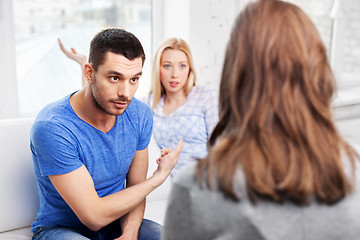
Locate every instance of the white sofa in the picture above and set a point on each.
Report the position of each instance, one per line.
(19, 199)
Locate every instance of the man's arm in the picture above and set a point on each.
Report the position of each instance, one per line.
(130, 223)
(78, 190)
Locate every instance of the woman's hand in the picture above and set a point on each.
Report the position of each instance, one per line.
(73, 55)
(77, 57)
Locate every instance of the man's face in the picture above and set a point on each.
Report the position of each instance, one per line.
(115, 83)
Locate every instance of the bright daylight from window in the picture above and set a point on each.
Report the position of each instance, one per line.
(338, 22)
(44, 73)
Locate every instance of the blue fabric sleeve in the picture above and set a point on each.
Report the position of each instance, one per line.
(146, 124)
(55, 148)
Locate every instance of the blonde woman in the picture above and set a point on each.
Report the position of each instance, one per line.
(181, 109)
(277, 167)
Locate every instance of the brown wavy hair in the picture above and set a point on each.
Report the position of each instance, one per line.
(275, 119)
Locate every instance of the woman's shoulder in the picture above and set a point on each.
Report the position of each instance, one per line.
(186, 175)
(186, 178)
(204, 89)
(203, 93)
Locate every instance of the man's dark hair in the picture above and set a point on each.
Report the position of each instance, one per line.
(117, 41)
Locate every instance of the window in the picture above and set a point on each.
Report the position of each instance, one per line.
(338, 22)
(43, 74)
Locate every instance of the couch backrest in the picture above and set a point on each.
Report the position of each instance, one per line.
(19, 199)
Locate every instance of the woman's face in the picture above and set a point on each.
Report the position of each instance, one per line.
(174, 70)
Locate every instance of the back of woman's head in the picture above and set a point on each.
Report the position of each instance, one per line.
(275, 118)
(157, 89)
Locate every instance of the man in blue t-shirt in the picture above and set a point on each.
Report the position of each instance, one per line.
(90, 151)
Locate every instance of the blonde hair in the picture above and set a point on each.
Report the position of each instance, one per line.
(275, 118)
(157, 89)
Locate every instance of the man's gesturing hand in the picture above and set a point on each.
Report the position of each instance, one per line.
(168, 160)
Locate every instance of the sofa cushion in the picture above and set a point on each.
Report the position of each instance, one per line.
(19, 200)
(17, 234)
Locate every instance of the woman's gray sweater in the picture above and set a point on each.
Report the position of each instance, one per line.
(200, 213)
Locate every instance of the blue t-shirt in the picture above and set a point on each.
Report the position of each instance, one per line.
(61, 142)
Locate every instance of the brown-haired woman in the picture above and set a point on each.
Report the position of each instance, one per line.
(277, 168)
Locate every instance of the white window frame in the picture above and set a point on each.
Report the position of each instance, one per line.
(338, 15)
(346, 103)
(8, 82)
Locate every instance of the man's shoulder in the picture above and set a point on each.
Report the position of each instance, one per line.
(54, 110)
(139, 103)
(139, 117)
(139, 108)
(54, 117)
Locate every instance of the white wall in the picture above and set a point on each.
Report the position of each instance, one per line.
(171, 18)
(210, 29)
(204, 24)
